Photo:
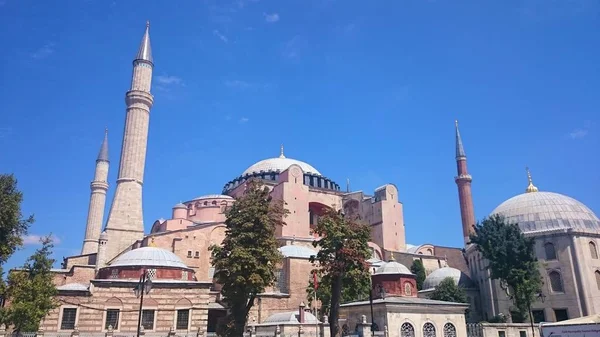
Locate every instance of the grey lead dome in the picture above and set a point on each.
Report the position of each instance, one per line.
(541, 211)
(149, 256)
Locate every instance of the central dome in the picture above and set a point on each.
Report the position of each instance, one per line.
(537, 211)
(279, 164)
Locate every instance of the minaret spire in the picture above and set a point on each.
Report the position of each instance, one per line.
(281, 155)
(125, 223)
(463, 181)
(98, 187)
(530, 187)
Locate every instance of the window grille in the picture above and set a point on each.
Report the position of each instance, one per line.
(68, 319)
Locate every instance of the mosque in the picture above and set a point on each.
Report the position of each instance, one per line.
(95, 287)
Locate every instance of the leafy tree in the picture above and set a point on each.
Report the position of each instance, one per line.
(245, 262)
(418, 269)
(355, 286)
(31, 290)
(12, 226)
(511, 259)
(449, 291)
(343, 253)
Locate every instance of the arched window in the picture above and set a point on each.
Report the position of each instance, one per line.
(428, 330)
(449, 330)
(593, 250)
(407, 330)
(556, 282)
(550, 251)
(407, 289)
(597, 279)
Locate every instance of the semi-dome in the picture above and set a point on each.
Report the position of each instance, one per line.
(279, 164)
(213, 196)
(149, 256)
(438, 275)
(538, 211)
(392, 267)
(297, 251)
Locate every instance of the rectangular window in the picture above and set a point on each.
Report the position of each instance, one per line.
(183, 318)
(148, 319)
(538, 316)
(189, 253)
(522, 333)
(112, 318)
(501, 333)
(68, 319)
(561, 314)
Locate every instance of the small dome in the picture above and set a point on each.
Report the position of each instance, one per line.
(149, 256)
(291, 317)
(536, 211)
(213, 196)
(297, 251)
(180, 205)
(438, 275)
(392, 267)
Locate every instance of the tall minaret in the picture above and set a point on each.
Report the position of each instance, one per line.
(97, 200)
(463, 180)
(125, 222)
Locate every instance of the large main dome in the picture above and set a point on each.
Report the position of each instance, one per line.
(279, 164)
(539, 211)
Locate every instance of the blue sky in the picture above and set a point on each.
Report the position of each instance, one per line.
(365, 90)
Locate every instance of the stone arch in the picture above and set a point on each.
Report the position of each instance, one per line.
(593, 250)
(597, 274)
(449, 330)
(217, 234)
(315, 211)
(429, 329)
(376, 250)
(407, 329)
(183, 303)
(113, 302)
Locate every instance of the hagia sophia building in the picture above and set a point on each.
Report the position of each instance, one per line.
(95, 287)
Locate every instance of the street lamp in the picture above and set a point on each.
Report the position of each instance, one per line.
(542, 297)
(144, 286)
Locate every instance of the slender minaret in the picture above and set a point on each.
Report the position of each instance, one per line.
(97, 200)
(125, 222)
(463, 180)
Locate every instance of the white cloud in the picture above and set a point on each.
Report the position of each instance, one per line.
(244, 120)
(34, 239)
(578, 133)
(43, 52)
(220, 36)
(168, 80)
(271, 18)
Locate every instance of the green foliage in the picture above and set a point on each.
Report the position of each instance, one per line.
(246, 260)
(342, 257)
(31, 290)
(449, 291)
(12, 226)
(511, 260)
(498, 319)
(418, 269)
(355, 286)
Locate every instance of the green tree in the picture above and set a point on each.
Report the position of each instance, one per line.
(12, 224)
(245, 262)
(31, 291)
(418, 269)
(511, 260)
(343, 253)
(449, 291)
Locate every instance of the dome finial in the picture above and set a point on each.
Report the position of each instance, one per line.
(392, 257)
(152, 244)
(530, 186)
(281, 155)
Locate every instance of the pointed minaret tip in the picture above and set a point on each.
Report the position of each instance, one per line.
(103, 154)
(460, 151)
(530, 186)
(281, 155)
(145, 51)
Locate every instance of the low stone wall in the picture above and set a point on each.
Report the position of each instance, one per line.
(502, 330)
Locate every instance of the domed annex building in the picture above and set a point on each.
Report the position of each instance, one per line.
(96, 287)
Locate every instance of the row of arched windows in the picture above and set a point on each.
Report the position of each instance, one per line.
(550, 251)
(408, 330)
(556, 283)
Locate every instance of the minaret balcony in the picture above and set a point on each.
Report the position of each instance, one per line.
(139, 97)
(463, 177)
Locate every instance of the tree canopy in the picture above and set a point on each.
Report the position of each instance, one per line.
(31, 291)
(449, 291)
(511, 259)
(418, 269)
(343, 253)
(12, 224)
(245, 262)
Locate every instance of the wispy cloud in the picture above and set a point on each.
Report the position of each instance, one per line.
(220, 36)
(243, 120)
(293, 47)
(580, 133)
(271, 18)
(43, 52)
(168, 80)
(34, 239)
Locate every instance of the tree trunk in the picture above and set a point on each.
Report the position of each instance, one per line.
(334, 310)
